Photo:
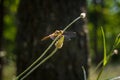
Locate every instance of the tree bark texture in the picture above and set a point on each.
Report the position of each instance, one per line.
(38, 18)
(1, 37)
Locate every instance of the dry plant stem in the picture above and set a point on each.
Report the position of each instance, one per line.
(71, 23)
(45, 59)
(47, 49)
(84, 72)
(37, 59)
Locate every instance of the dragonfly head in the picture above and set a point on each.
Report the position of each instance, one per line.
(58, 32)
(55, 34)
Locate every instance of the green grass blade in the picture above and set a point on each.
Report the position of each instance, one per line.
(104, 46)
(105, 54)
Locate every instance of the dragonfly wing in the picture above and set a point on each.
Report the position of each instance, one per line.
(52, 36)
(69, 35)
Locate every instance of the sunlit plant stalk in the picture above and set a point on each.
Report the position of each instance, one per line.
(116, 44)
(105, 54)
(106, 57)
(82, 15)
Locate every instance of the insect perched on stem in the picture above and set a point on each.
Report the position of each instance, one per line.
(53, 35)
(67, 35)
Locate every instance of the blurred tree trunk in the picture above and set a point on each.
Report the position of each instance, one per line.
(38, 18)
(1, 32)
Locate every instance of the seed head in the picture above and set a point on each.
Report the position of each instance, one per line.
(83, 15)
(115, 51)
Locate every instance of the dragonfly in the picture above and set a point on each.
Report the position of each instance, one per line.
(67, 35)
